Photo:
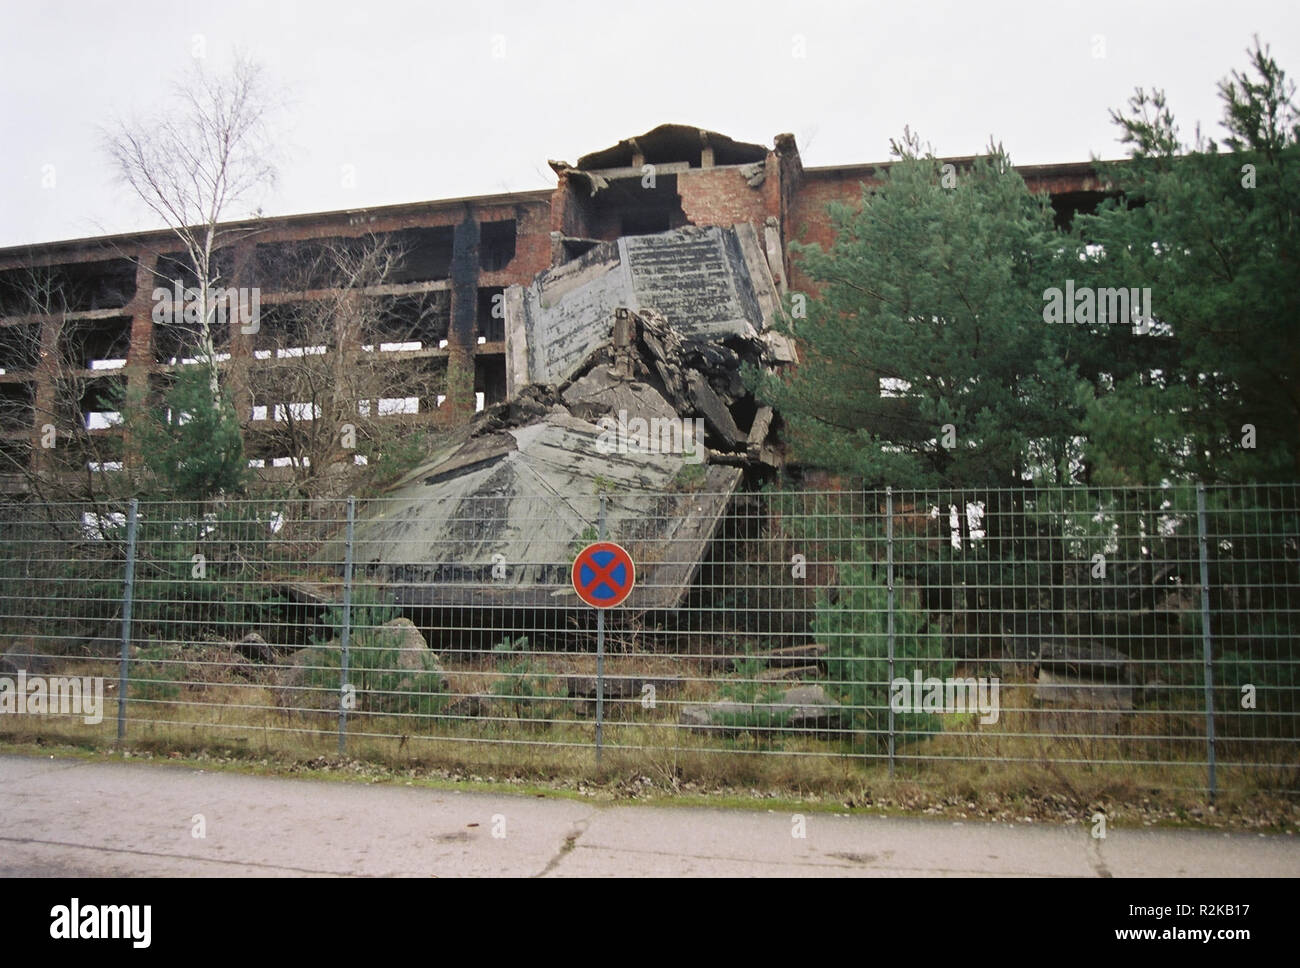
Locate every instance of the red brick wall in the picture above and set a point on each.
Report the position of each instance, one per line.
(809, 223)
(566, 217)
(532, 243)
(721, 196)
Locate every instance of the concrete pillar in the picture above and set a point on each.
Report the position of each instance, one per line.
(45, 396)
(140, 362)
(462, 333)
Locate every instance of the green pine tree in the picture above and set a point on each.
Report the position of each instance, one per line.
(1214, 234)
(189, 442)
(935, 284)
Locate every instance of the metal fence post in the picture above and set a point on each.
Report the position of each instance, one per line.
(345, 638)
(1206, 644)
(889, 616)
(600, 651)
(128, 596)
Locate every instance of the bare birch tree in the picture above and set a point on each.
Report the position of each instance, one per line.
(191, 165)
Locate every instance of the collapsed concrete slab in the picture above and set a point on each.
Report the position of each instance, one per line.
(496, 520)
(625, 373)
(709, 283)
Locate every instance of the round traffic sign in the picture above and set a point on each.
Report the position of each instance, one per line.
(603, 574)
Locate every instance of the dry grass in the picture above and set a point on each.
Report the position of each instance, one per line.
(1055, 764)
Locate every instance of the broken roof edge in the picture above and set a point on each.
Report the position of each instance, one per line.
(675, 140)
(164, 236)
(1081, 169)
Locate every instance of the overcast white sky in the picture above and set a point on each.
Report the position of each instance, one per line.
(412, 96)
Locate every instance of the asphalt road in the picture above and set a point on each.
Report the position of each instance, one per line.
(69, 817)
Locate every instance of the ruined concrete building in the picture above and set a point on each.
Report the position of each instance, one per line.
(493, 295)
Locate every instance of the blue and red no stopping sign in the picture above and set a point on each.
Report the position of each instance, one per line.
(603, 574)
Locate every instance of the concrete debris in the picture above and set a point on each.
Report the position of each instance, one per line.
(774, 249)
(780, 347)
(602, 392)
(1086, 660)
(709, 283)
(22, 656)
(800, 709)
(253, 646)
(813, 653)
(716, 414)
(1088, 675)
(1087, 694)
(631, 385)
(758, 432)
(658, 373)
(501, 528)
(640, 414)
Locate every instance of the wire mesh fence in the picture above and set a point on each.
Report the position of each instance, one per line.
(1145, 632)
